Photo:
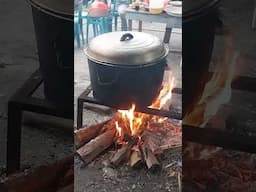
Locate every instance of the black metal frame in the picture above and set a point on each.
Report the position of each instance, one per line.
(21, 101)
(227, 140)
(85, 98)
(206, 136)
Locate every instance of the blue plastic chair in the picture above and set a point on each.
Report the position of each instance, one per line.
(78, 28)
(98, 24)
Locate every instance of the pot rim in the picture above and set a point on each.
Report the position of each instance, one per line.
(50, 11)
(164, 56)
(201, 11)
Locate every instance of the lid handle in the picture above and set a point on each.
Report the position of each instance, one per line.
(126, 37)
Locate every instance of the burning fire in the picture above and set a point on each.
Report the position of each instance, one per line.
(119, 129)
(136, 120)
(166, 92)
(216, 93)
(217, 90)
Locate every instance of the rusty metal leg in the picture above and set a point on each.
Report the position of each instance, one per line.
(129, 25)
(167, 35)
(13, 137)
(140, 26)
(79, 113)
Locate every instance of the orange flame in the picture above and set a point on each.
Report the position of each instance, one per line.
(166, 92)
(137, 120)
(119, 129)
(217, 90)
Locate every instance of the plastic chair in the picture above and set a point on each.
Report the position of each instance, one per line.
(99, 23)
(78, 28)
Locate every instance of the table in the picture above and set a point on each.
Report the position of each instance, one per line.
(170, 21)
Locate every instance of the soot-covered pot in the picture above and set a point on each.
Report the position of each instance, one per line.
(126, 68)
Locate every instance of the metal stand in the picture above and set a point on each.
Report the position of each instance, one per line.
(21, 101)
(85, 98)
(210, 136)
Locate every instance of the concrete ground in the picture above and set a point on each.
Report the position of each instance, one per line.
(42, 142)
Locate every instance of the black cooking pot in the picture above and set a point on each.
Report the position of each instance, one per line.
(126, 68)
(53, 22)
(199, 20)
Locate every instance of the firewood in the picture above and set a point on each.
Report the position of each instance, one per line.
(84, 135)
(150, 158)
(135, 158)
(92, 149)
(153, 142)
(44, 178)
(173, 147)
(124, 152)
(121, 154)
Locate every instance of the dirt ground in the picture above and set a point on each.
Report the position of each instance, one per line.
(101, 177)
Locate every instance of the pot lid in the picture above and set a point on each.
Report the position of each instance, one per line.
(126, 48)
(192, 7)
(62, 7)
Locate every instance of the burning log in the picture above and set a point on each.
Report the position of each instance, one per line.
(153, 142)
(124, 152)
(136, 157)
(96, 146)
(150, 158)
(84, 135)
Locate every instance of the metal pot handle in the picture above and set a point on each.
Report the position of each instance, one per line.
(102, 83)
(126, 37)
